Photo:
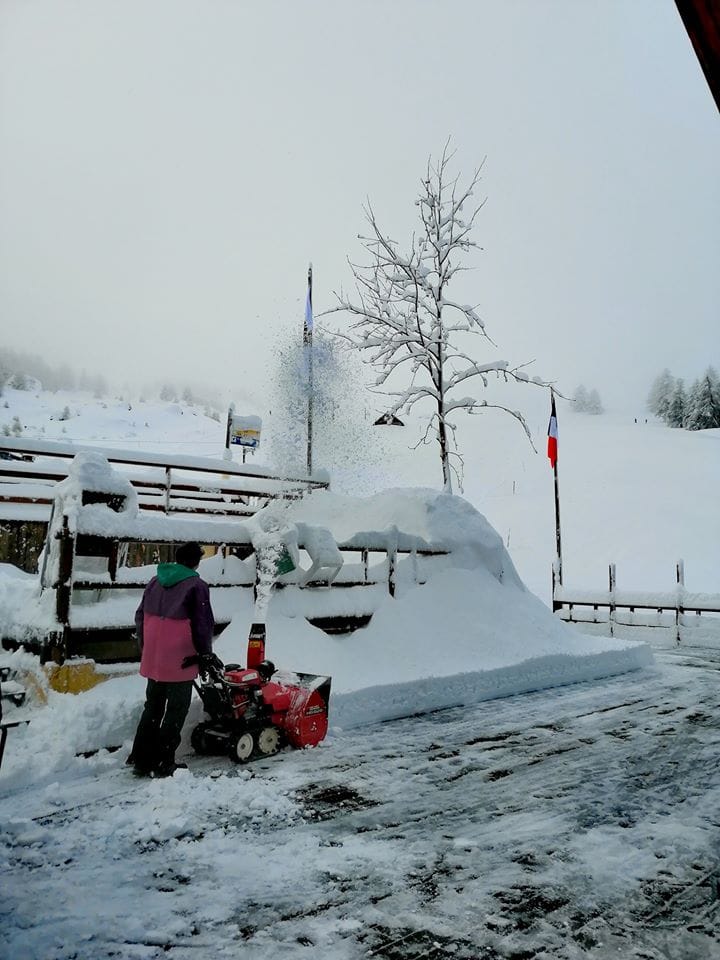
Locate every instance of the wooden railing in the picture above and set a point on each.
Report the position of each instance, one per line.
(177, 484)
(112, 641)
(583, 606)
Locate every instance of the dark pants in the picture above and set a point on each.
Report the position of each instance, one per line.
(161, 723)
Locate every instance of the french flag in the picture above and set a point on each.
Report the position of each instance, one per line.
(552, 435)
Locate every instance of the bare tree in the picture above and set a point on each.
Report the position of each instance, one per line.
(408, 325)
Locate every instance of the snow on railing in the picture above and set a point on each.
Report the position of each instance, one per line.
(87, 543)
(669, 609)
(30, 470)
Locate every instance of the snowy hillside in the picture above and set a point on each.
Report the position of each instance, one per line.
(638, 494)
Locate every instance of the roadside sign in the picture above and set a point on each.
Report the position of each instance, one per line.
(245, 431)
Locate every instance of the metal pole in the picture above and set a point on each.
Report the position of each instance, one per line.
(558, 543)
(227, 454)
(307, 342)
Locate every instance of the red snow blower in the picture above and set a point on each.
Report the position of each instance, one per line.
(250, 714)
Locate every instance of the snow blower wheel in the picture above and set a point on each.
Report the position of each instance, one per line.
(242, 747)
(269, 741)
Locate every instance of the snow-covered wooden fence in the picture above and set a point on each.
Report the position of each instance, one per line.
(90, 581)
(678, 613)
(30, 469)
(94, 593)
(170, 485)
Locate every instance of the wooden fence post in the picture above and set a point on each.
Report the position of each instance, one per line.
(679, 608)
(63, 590)
(392, 561)
(611, 614)
(556, 604)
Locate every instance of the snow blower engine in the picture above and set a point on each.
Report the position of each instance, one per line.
(250, 714)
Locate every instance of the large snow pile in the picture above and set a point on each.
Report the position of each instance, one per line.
(471, 632)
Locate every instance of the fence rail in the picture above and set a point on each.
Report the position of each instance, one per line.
(583, 606)
(102, 628)
(162, 483)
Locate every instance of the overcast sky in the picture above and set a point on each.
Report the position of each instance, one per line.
(169, 167)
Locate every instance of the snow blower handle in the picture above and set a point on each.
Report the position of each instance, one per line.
(205, 661)
(256, 646)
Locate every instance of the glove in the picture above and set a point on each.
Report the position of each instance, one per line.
(208, 661)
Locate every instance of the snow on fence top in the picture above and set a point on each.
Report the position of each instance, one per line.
(415, 518)
(163, 475)
(52, 448)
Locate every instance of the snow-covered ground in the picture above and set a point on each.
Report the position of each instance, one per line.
(468, 833)
(578, 822)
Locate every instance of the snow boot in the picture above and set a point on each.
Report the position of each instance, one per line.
(167, 769)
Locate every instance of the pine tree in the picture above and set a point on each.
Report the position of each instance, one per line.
(594, 403)
(660, 394)
(691, 407)
(703, 405)
(675, 415)
(580, 398)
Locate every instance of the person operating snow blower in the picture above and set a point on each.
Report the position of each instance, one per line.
(175, 626)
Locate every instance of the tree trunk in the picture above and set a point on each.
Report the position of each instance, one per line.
(440, 385)
(444, 451)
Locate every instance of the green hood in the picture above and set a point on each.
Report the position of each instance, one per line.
(169, 574)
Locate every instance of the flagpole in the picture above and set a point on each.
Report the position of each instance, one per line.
(558, 545)
(558, 541)
(307, 341)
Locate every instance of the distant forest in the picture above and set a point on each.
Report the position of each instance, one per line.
(694, 408)
(23, 371)
(18, 370)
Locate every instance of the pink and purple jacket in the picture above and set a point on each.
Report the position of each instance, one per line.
(174, 621)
